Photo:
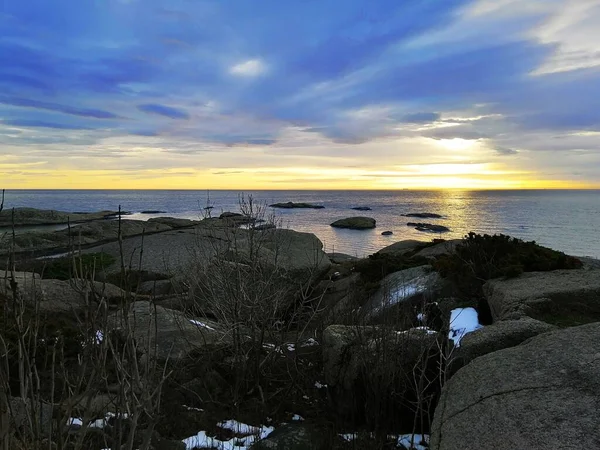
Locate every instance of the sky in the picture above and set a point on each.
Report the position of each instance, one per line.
(302, 94)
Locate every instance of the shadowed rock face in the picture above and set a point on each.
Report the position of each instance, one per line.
(550, 296)
(355, 223)
(542, 394)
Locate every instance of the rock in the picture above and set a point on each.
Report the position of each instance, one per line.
(292, 205)
(297, 255)
(443, 248)
(338, 258)
(355, 223)
(62, 296)
(401, 247)
(387, 233)
(361, 359)
(561, 297)
(163, 334)
(295, 436)
(156, 287)
(32, 216)
(152, 211)
(405, 286)
(83, 234)
(423, 215)
(229, 215)
(542, 394)
(428, 227)
(498, 336)
(20, 277)
(589, 263)
(236, 219)
(362, 208)
(174, 222)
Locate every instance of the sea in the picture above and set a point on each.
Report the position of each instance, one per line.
(565, 220)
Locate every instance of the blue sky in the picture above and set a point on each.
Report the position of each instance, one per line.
(386, 94)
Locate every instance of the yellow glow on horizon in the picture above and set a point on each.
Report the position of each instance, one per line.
(425, 176)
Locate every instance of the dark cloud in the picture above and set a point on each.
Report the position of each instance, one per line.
(162, 110)
(83, 112)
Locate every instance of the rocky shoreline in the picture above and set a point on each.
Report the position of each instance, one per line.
(408, 348)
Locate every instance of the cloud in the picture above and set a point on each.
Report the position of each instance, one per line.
(83, 112)
(250, 68)
(319, 82)
(162, 110)
(42, 124)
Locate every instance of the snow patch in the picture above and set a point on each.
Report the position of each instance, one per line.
(201, 324)
(413, 441)
(462, 321)
(246, 435)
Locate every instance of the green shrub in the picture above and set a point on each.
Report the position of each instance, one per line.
(483, 257)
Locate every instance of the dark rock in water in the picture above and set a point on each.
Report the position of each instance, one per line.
(152, 211)
(362, 208)
(423, 215)
(208, 207)
(428, 227)
(355, 223)
(292, 205)
(387, 233)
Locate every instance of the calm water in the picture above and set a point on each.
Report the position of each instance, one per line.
(564, 220)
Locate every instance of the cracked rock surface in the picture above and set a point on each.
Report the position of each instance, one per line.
(542, 394)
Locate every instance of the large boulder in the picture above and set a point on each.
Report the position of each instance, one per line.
(401, 247)
(497, 336)
(56, 296)
(299, 255)
(443, 248)
(163, 333)
(366, 365)
(562, 297)
(355, 223)
(542, 394)
(403, 287)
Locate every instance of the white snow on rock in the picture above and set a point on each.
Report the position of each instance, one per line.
(201, 324)
(462, 321)
(246, 435)
(413, 441)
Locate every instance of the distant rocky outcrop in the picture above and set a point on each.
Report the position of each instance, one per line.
(542, 394)
(355, 223)
(428, 227)
(362, 208)
(293, 205)
(387, 233)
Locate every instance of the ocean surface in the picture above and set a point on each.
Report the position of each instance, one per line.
(564, 220)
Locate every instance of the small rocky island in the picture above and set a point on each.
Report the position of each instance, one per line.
(428, 227)
(355, 223)
(214, 332)
(292, 205)
(423, 215)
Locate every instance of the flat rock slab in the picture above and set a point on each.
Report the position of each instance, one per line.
(549, 296)
(60, 296)
(542, 394)
(497, 336)
(443, 248)
(401, 247)
(32, 216)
